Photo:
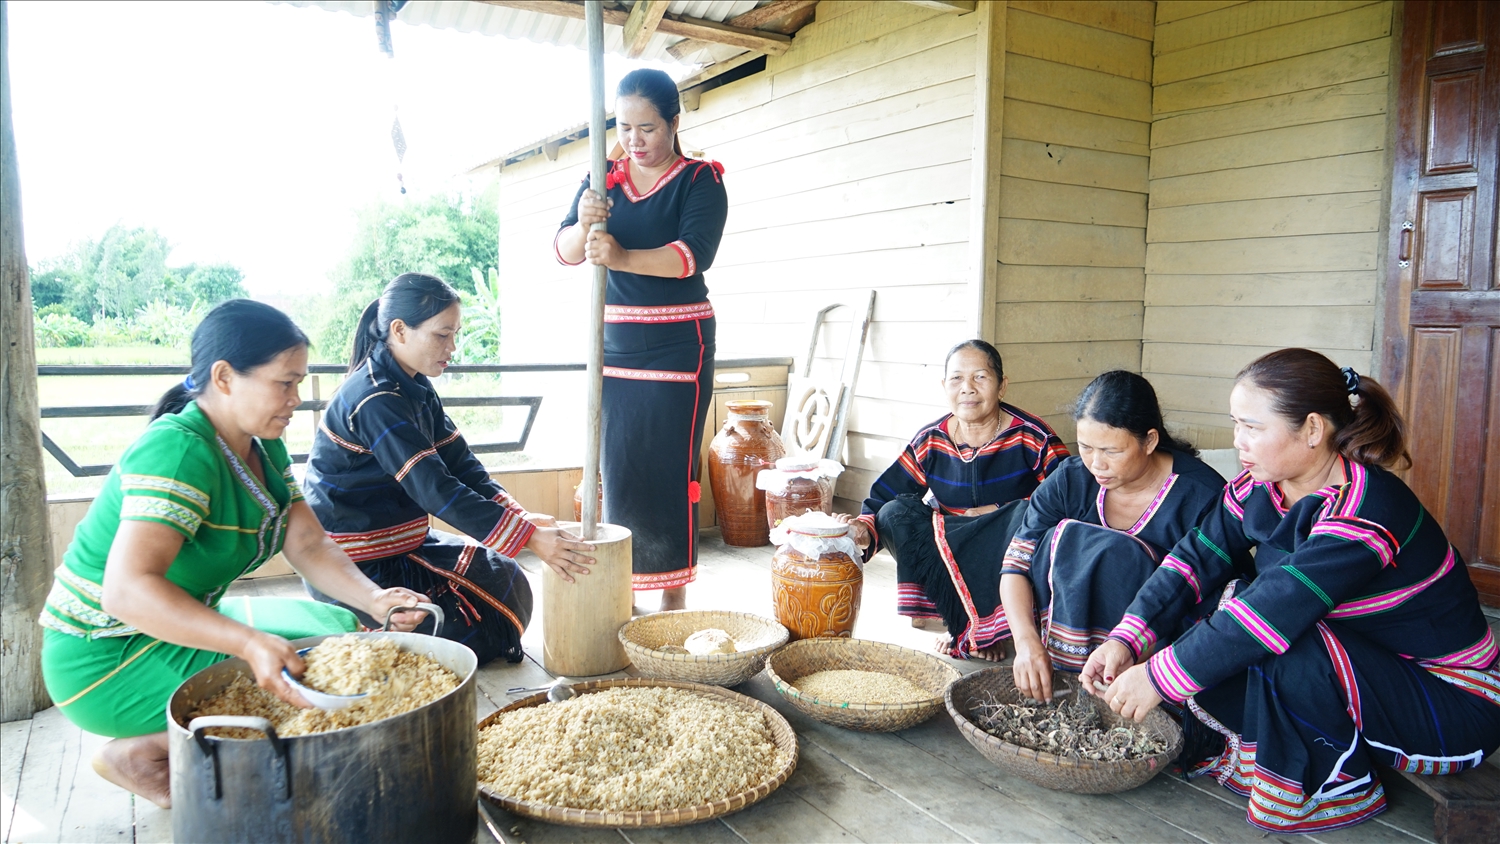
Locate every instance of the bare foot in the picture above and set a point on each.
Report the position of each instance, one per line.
(138, 765)
(923, 623)
(942, 644)
(998, 652)
(674, 599)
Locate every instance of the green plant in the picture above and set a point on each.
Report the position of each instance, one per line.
(163, 324)
(61, 330)
(479, 342)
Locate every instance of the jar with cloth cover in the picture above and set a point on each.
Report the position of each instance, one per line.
(817, 576)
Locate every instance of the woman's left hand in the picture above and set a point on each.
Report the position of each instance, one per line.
(1132, 694)
(980, 511)
(601, 249)
(382, 600)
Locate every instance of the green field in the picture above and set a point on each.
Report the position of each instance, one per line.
(555, 437)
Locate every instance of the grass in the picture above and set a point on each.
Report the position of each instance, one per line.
(556, 436)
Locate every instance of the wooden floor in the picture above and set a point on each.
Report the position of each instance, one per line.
(925, 784)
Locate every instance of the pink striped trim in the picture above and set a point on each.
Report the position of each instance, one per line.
(1486, 684)
(415, 459)
(1344, 668)
(1480, 655)
(1134, 633)
(658, 313)
(510, 534)
(1259, 629)
(1140, 523)
(689, 263)
(1367, 533)
(386, 542)
(1018, 555)
(1392, 599)
(557, 250)
(1172, 681)
(650, 375)
(1186, 571)
(628, 185)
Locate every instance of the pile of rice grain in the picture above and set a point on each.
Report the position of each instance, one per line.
(846, 686)
(628, 750)
(398, 681)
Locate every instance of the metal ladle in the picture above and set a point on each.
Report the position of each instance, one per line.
(558, 690)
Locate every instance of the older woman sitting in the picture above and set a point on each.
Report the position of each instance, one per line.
(947, 507)
(1098, 528)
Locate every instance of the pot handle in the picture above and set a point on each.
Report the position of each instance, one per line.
(279, 759)
(437, 613)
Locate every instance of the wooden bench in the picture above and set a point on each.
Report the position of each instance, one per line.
(1466, 806)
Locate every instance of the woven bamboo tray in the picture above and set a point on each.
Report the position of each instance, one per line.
(807, 656)
(781, 733)
(1079, 776)
(759, 635)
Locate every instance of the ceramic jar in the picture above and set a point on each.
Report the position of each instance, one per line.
(816, 579)
(578, 501)
(746, 444)
(796, 486)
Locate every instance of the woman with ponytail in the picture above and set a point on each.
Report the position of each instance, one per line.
(1350, 637)
(1098, 527)
(666, 215)
(205, 496)
(387, 459)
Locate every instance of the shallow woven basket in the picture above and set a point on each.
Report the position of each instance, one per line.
(781, 733)
(1079, 776)
(808, 656)
(642, 636)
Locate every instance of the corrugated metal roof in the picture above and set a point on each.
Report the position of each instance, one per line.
(487, 19)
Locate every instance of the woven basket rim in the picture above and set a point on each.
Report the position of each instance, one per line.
(974, 731)
(654, 818)
(632, 646)
(788, 689)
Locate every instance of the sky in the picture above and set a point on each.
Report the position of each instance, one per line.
(249, 132)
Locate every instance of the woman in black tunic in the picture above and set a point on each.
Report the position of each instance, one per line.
(666, 215)
(1098, 527)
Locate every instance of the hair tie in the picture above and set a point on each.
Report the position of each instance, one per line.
(1351, 380)
(187, 383)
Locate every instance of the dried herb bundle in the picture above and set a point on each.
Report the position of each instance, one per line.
(1065, 727)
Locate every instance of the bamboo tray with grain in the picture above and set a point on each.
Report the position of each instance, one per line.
(781, 734)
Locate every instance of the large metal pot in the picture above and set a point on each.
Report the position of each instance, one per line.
(411, 777)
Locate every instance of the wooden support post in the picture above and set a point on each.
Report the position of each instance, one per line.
(594, 428)
(641, 25)
(984, 175)
(25, 542)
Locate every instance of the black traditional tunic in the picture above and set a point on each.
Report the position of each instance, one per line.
(659, 364)
(1357, 639)
(948, 564)
(386, 458)
(1085, 573)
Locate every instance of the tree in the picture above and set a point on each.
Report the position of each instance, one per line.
(446, 235)
(211, 284)
(132, 270)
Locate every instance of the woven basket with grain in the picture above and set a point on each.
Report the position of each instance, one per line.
(755, 635)
(781, 733)
(1059, 773)
(809, 656)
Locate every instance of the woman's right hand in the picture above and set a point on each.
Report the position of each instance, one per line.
(267, 654)
(560, 551)
(593, 208)
(1033, 670)
(857, 530)
(1107, 662)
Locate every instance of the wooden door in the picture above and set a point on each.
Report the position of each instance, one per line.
(1442, 327)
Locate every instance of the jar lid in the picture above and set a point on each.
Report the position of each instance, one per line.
(796, 464)
(748, 407)
(820, 531)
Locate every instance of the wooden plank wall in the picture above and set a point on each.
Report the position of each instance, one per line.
(1268, 147)
(1073, 162)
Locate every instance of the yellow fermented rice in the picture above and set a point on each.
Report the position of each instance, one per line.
(846, 686)
(398, 681)
(633, 749)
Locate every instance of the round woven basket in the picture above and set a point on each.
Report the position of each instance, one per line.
(808, 656)
(756, 635)
(1059, 773)
(781, 733)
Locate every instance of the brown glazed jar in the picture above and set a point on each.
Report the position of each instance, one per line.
(578, 501)
(746, 444)
(816, 596)
(797, 495)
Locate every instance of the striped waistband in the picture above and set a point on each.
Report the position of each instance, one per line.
(658, 313)
(386, 542)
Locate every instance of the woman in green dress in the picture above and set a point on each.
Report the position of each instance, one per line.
(205, 496)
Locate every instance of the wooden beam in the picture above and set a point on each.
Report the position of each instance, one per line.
(25, 538)
(752, 19)
(641, 25)
(984, 184)
(769, 43)
(955, 7)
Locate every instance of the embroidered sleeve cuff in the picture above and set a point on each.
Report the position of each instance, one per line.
(1186, 571)
(1171, 680)
(689, 263)
(868, 520)
(505, 500)
(511, 534)
(1018, 557)
(557, 249)
(1134, 633)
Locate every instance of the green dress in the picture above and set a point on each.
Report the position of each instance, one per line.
(107, 677)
